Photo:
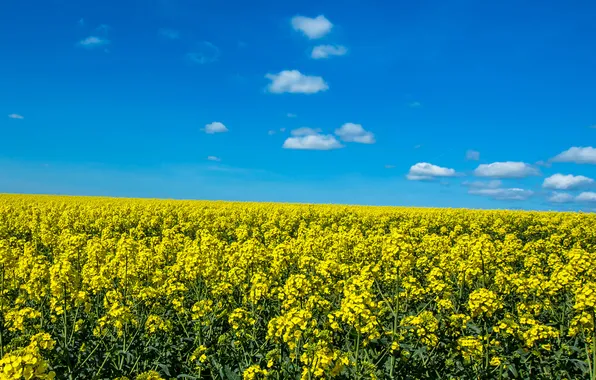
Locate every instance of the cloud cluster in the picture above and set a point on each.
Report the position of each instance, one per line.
(350, 132)
(293, 81)
(326, 51)
(583, 197)
(93, 42)
(507, 169)
(313, 28)
(313, 139)
(16, 116)
(502, 194)
(215, 127)
(577, 155)
(566, 182)
(424, 171)
(586, 196)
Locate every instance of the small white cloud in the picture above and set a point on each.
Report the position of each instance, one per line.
(326, 51)
(389, 166)
(214, 158)
(558, 197)
(512, 194)
(92, 42)
(493, 184)
(586, 196)
(291, 115)
(566, 182)
(418, 146)
(313, 28)
(271, 132)
(15, 116)
(472, 155)
(169, 33)
(282, 129)
(350, 132)
(312, 142)
(506, 169)
(578, 155)
(215, 127)
(203, 52)
(424, 171)
(414, 104)
(293, 81)
(81, 22)
(305, 131)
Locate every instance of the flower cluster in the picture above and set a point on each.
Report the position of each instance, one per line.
(149, 289)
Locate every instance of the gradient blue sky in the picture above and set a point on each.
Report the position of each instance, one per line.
(114, 98)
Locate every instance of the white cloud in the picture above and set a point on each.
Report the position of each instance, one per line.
(282, 129)
(493, 184)
(512, 194)
(15, 116)
(81, 22)
(326, 51)
(425, 171)
(472, 155)
(305, 131)
(414, 104)
(291, 115)
(215, 127)
(558, 197)
(313, 28)
(350, 132)
(203, 52)
(586, 196)
(312, 142)
(506, 169)
(271, 132)
(169, 33)
(293, 81)
(566, 182)
(92, 42)
(213, 158)
(578, 155)
(389, 166)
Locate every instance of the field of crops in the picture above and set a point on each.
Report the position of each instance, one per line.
(146, 289)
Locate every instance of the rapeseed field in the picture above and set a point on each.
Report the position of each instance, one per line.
(100, 288)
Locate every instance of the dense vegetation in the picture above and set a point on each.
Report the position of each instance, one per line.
(147, 289)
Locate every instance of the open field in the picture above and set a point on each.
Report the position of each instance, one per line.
(121, 288)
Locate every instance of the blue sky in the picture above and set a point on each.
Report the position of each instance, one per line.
(432, 103)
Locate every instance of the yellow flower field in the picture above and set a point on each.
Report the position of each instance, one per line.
(148, 289)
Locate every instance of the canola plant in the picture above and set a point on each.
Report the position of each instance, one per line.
(100, 288)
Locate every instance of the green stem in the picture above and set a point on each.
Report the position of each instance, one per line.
(101, 367)
(485, 346)
(357, 353)
(65, 320)
(395, 318)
